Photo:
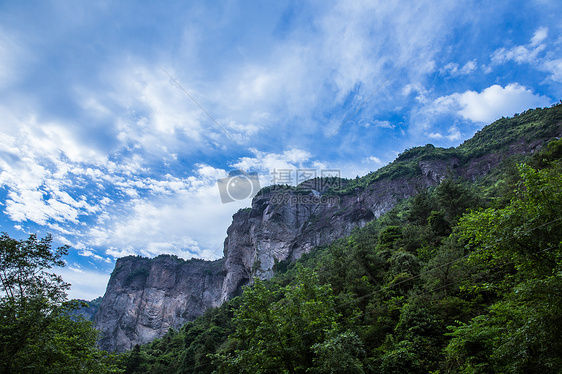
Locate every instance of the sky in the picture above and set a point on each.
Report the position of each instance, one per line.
(117, 119)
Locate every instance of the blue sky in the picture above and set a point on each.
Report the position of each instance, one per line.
(101, 148)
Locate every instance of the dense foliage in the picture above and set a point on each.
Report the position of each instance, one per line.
(38, 333)
(465, 277)
(499, 137)
(461, 278)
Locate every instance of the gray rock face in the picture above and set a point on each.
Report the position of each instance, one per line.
(145, 297)
(88, 312)
(283, 228)
(284, 224)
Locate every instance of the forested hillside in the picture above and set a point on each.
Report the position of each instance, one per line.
(465, 277)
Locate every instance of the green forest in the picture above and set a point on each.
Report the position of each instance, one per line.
(464, 277)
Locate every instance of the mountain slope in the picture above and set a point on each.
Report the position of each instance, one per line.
(145, 297)
(283, 224)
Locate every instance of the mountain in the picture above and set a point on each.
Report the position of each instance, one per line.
(90, 309)
(146, 297)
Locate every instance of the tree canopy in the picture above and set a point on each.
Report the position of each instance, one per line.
(37, 332)
(444, 283)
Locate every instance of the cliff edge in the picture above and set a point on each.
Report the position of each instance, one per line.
(144, 297)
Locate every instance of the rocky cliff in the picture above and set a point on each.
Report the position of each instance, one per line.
(283, 223)
(89, 311)
(146, 297)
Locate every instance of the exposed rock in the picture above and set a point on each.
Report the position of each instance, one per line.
(145, 297)
(437, 170)
(88, 312)
(284, 224)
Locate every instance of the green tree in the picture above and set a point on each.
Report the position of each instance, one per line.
(521, 332)
(552, 152)
(278, 328)
(421, 206)
(389, 238)
(527, 233)
(37, 332)
(403, 359)
(438, 223)
(341, 353)
(454, 198)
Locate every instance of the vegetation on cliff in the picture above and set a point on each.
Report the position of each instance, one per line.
(462, 278)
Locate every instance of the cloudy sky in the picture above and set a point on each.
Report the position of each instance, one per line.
(117, 118)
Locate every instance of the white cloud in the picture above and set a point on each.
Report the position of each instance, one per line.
(86, 284)
(520, 54)
(75, 269)
(453, 69)
(120, 252)
(380, 124)
(353, 169)
(53, 181)
(58, 189)
(532, 53)
(283, 167)
(453, 134)
(13, 58)
(523, 53)
(539, 36)
(39, 164)
(190, 222)
(469, 67)
(489, 104)
(374, 159)
(152, 110)
(344, 55)
(265, 162)
(89, 253)
(359, 46)
(554, 67)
